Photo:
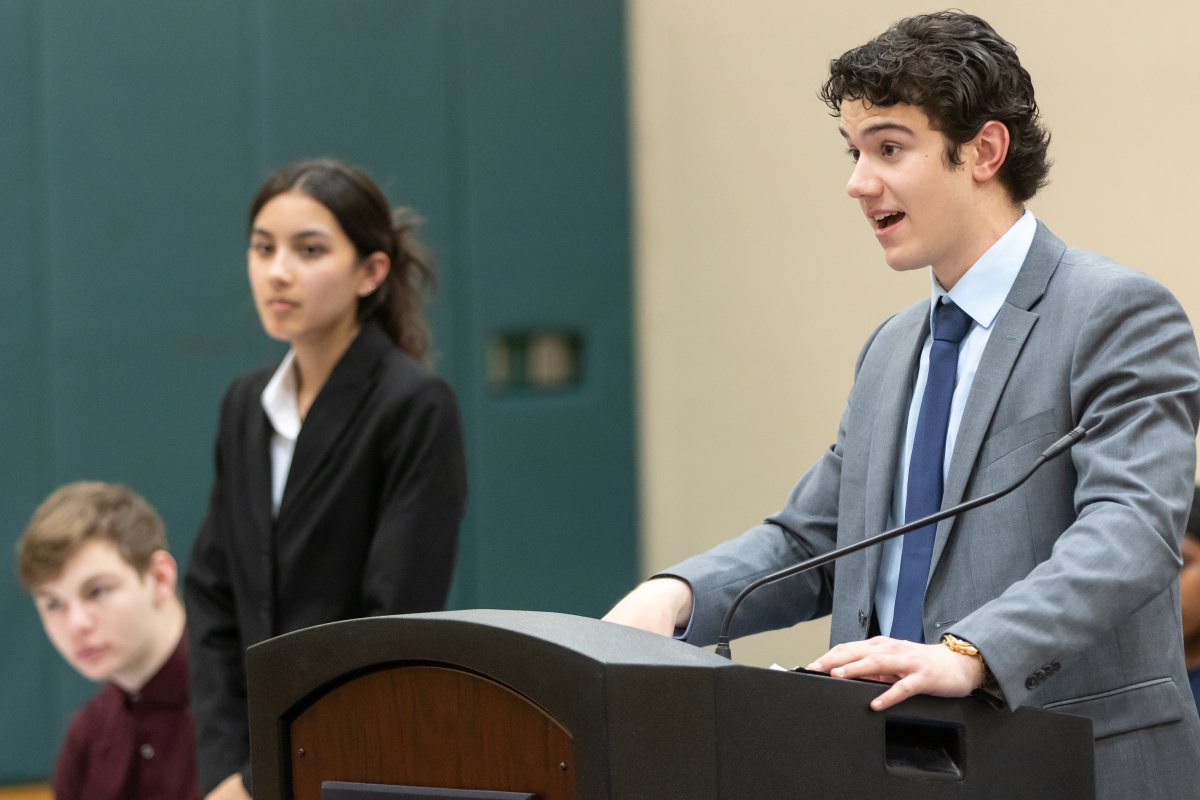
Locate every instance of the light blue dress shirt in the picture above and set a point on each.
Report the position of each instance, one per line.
(980, 292)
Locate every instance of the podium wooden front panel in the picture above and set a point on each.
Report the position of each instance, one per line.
(430, 726)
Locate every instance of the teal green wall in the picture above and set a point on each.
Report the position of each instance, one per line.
(132, 135)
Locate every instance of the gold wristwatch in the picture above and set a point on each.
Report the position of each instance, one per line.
(963, 647)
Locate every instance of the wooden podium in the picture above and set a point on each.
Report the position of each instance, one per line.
(559, 707)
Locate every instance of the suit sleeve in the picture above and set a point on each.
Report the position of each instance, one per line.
(411, 557)
(1135, 384)
(217, 672)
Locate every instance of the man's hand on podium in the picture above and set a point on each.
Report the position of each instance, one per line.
(660, 605)
(911, 668)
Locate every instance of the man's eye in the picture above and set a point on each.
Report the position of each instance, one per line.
(51, 605)
(96, 592)
(889, 150)
(853, 154)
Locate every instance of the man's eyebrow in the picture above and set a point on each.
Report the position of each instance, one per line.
(878, 127)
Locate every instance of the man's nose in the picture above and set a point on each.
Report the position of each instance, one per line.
(79, 618)
(863, 180)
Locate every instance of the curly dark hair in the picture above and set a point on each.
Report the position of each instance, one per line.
(961, 73)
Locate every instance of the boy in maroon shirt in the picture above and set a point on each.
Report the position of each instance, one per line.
(95, 559)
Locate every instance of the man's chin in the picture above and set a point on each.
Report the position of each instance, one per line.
(901, 263)
(98, 671)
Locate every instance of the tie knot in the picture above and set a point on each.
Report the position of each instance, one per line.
(950, 323)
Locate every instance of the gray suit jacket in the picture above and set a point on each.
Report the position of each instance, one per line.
(1069, 585)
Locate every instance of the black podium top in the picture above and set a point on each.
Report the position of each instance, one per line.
(656, 718)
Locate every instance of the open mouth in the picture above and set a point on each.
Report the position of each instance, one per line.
(882, 221)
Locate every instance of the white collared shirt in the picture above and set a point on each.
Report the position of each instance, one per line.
(279, 401)
(980, 292)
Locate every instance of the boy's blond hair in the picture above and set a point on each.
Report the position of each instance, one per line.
(82, 512)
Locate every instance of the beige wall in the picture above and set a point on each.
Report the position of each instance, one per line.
(757, 278)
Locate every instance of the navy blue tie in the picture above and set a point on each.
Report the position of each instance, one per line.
(950, 325)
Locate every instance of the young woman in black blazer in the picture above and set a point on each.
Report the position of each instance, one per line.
(340, 479)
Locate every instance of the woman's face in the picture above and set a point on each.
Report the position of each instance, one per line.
(305, 274)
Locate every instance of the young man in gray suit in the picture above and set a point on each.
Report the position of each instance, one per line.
(1063, 594)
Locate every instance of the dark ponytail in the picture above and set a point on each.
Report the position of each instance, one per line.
(360, 207)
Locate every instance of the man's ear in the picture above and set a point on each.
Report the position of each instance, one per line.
(164, 573)
(991, 149)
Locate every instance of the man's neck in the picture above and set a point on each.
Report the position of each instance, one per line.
(992, 223)
(170, 631)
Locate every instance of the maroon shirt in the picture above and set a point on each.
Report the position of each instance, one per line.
(136, 746)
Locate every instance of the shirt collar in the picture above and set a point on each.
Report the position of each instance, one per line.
(279, 399)
(982, 289)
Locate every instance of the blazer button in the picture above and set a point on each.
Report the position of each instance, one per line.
(862, 617)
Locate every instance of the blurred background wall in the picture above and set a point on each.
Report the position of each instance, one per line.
(647, 191)
(133, 134)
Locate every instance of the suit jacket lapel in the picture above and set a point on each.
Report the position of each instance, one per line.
(258, 476)
(335, 406)
(887, 436)
(1012, 327)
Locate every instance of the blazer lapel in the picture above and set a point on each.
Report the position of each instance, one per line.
(335, 406)
(1012, 327)
(258, 477)
(887, 435)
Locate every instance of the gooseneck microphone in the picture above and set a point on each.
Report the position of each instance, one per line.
(1053, 451)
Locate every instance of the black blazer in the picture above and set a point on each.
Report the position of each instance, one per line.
(368, 524)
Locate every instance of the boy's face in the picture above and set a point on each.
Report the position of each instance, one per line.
(102, 616)
(918, 204)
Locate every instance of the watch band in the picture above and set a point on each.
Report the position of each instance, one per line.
(963, 647)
